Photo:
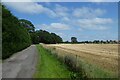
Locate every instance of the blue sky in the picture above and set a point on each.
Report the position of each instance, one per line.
(84, 20)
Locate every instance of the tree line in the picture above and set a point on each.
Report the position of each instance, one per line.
(74, 40)
(101, 42)
(42, 36)
(18, 34)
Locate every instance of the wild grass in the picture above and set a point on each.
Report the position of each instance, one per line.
(70, 64)
(49, 67)
(94, 71)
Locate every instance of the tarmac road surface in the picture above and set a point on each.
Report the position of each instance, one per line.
(21, 64)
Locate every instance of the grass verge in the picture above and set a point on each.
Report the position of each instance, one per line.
(49, 67)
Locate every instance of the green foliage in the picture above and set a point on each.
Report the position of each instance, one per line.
(73, 39)
(27, 24)
(34, 37)
(56, 38)
(31, 29)
(48, 38)
(14, 36)
(49, 67)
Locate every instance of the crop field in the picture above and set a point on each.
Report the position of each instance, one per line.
(97, 60)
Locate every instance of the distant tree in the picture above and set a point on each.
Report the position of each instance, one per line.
(86, 42)
(95, 41)
(107, 41)
(73, 39)
(101, 41)
(111, 41)
(115, 41)
(66, 42)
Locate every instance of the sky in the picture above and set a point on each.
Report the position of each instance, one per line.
(84, 20)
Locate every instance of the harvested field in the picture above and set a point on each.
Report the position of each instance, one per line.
(104, 56)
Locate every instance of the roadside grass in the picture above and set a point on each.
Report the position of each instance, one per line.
(95, 71)
(49, 67)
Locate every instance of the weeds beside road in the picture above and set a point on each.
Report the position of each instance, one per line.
(49, 67)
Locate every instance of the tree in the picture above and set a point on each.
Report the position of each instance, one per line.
(48, 38)
(34, 38)
(73, 39)
(31, 29)
(66, 42)
(27, 24)
(56, 38)
(14, 36)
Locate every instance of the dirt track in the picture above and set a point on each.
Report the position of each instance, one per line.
(21, 64)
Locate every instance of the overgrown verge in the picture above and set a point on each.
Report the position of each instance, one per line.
(51, 66)
(76, 72)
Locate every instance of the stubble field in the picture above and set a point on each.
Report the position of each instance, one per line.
(102, 56)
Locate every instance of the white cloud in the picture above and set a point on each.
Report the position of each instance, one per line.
(59, 26)
(89, 16)
(86, 12)
(60, 34)
(65, 19)
(30, 8)
(60, 10)
(54, 26)
(35, 8)
(95, 23)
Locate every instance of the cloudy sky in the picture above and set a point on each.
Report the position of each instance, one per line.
(84, 20)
